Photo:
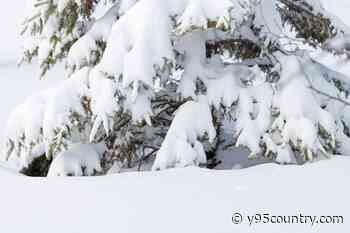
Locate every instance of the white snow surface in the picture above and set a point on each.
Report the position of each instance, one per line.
(5, 170)
(177, 200)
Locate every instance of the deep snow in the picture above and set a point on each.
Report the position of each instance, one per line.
(178, 200)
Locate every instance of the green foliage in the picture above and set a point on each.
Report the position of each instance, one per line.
(71, 22)
(239, 48)
(38, 167)
(315, 28)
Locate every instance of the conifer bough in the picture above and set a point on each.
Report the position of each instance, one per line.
(173, 83)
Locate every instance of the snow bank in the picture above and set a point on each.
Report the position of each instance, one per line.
(5, 170)
(177, 200)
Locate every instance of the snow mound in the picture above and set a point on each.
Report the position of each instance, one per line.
(178, 200)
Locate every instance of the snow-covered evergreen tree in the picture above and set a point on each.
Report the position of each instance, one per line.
(158, 81)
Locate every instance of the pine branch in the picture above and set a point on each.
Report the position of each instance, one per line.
(312, 87)
(327, 95)
(316, 28)
(296, 6)
(242, 48)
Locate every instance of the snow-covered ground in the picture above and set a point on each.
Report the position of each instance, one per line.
(179, 200)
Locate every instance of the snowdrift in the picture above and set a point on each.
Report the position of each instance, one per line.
(5, 170)
(178, 200)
